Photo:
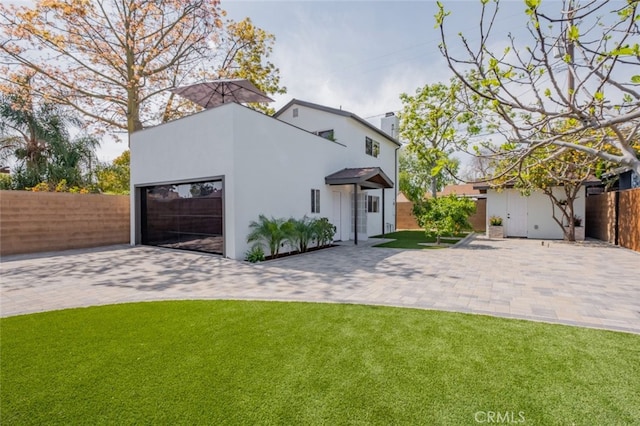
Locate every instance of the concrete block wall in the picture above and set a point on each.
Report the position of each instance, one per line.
(33, 222)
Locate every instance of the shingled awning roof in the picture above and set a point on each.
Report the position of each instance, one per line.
(366, 177)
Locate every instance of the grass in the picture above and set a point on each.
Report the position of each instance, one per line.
(414, 240)
(233, 362)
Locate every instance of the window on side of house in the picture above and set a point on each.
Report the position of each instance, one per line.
(371, 147)
(373, 204)
(327, 134)
(315, 201)
(295, 112)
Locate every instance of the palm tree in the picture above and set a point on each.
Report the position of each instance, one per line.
(36, 136)
(272, 232)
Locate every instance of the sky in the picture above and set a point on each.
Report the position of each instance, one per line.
(355, 55)
(358, 55)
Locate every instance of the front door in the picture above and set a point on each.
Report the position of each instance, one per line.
(337, 215)
(516, 214)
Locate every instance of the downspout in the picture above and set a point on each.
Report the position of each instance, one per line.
(383, 209)
(395, 192)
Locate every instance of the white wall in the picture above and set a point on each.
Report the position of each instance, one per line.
(276, 167)
(351, 133)
(192, 148)
(269, 167)
(540, 223)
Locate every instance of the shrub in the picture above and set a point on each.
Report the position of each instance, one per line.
(302, 231)
(256, 254)
(446, 215)
(323, 231)
(272, 232)
(495, 221)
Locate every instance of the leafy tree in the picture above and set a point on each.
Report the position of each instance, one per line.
(522, 84)
(36, 136)
(114, 178)
(114, 60)
(430, 122)
(447, 215)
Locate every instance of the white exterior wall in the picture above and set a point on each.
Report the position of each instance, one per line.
(540, 223)
(269, 167)
(191, 148)
(352, 134)
(276, 167)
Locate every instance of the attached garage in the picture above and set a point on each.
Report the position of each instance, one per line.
(186, 216)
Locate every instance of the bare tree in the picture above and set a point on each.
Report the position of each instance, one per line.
(593, 44)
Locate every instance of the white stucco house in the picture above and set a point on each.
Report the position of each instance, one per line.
(198, 182)
(529, 216)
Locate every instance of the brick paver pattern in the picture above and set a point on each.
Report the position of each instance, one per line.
(589, 284)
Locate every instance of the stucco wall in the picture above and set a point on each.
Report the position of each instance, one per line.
(539, 218)
(269, 167)
(48, 221)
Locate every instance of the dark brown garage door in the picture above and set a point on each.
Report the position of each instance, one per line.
(186, 216)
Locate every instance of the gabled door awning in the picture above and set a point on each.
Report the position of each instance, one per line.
(365, 177)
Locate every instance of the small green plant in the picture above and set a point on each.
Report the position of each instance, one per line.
(302, 232)
(256, 254)
(323, 231)
(495, 221)
(269, 231)
(577, 221)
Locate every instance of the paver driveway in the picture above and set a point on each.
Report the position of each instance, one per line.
(584, 284)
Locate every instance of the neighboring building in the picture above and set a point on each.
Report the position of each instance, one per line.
(622, 178)
(529, 216)
(198, 182)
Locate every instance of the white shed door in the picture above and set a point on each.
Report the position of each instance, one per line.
(516, 214)
(337, 215)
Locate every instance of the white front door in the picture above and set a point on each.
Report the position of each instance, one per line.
(337, 215)
(516, 214)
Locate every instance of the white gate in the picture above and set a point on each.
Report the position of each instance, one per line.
(516, 225)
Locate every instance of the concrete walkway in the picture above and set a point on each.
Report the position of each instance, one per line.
(590, 284)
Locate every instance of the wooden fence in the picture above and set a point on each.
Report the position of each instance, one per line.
(33, 222)
(406, 220)
(615, 217)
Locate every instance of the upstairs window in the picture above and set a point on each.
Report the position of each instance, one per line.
(327, 134)
(373, 204)
(315, 201)
(295, 112)
(371, 147)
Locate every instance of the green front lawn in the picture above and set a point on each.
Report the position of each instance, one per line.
(413, 239)
(234, 362)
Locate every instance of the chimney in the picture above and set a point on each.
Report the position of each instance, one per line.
(389, 124)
